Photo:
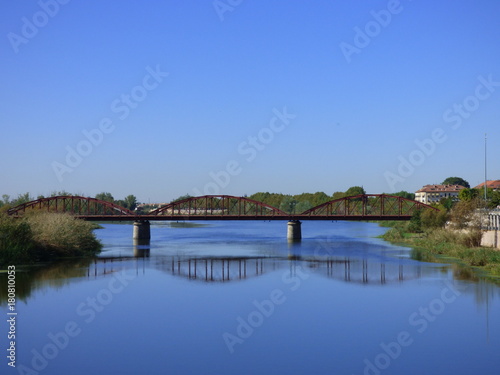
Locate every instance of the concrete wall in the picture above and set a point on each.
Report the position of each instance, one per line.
(491, 238)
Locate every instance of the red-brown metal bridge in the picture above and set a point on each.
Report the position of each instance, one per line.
(363, 207)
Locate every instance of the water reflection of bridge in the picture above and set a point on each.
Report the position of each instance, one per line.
(230, 269)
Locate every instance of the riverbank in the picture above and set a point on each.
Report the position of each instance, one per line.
(42, 237)
(440, 244)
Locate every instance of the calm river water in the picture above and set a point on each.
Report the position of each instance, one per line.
(236, 298)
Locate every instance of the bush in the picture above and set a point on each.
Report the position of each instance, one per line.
(63, 235)
(434, 219)
(44, 236)
(16, 240)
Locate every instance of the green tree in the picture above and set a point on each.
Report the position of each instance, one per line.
(130, 202)
(355, 190)
(303, 206)
(22, 198)
(404, 194)
(468, 194)
(6, 199)
(447, 203)
(272, 199)
(338, 195)
(105, 196)
(288, 204)
(312, 199)
(433, 219)
(415, 223)
(494, 199)
(62, 193)
(456, 181)
(464, 214)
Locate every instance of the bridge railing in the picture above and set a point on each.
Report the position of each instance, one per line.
(492, 221)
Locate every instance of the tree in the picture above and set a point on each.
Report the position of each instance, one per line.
(22, 198)
(355, 190)
(456, 181)
(272, 199)
(338, 195)
(433, 219)
(302, 206)
(467, 194)
(105, 196)
(60, 193)
(494, 199)
(447, 203)
(405, 194)
(415, 223)
(312, 199)
(130, 202)
(288, 204)
(464, 214)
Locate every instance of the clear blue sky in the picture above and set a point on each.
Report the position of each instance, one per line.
(363, 81)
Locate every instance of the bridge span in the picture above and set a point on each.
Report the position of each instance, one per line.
(364, 207)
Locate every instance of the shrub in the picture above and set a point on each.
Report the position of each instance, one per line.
(434, 219)
(16, 240)
(44, 236)
(63, 235)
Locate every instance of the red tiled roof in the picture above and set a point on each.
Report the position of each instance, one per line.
(441, 188)
(493, 184)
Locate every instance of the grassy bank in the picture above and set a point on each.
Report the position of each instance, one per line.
(44, 237)
(440, 244)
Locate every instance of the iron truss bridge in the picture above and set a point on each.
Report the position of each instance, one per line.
(225, 207)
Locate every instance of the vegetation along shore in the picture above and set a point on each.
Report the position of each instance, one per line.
(451, 234)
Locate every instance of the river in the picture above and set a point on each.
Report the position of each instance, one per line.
(237, 298)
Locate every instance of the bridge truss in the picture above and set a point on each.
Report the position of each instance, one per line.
(226, 207)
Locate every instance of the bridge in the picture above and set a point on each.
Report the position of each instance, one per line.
(362, 207)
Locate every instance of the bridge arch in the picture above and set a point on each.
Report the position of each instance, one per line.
(73, 204)
(219, 206)
(371, 206)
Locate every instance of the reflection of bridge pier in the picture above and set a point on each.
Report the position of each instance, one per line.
(368, 272)
(219, 269)
(142, 248)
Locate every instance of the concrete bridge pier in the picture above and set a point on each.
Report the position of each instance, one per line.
(142, 230)
(294, 230)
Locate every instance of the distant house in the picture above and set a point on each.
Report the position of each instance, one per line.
(434, 193)
(491, 184)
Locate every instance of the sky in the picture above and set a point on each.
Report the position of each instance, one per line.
(165, 98)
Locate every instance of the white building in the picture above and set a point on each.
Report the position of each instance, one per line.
(434, 193)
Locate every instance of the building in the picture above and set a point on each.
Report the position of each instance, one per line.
(491, 184)
(434, 193)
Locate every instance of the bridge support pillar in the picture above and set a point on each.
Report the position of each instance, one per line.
(294, 230)
(141, 230)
